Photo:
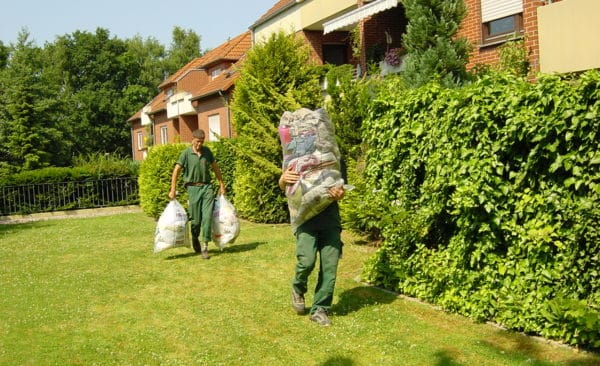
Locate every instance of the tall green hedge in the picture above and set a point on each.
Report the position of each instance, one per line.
(488, 200)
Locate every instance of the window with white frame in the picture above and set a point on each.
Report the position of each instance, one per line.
(140, 140)
(214, 127)
(164, 138)
(216, 72)
(501, 19)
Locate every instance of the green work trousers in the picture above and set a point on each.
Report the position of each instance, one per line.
(200, 209)
(319, 235)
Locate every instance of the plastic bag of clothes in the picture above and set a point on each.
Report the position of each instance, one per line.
(310, 149)
(171, 229)
(225, 222)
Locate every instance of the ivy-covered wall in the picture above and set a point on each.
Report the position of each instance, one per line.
(487, 198)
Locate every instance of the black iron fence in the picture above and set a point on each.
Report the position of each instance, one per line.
(46, 197)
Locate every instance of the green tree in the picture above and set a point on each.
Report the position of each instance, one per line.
(185, 46)
(434, 53)
(101, 90)
(276, 76)
(29, 138)
(4, 52)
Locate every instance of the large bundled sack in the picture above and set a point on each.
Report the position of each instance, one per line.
(225, 222)
(171, 229)
(310, 149)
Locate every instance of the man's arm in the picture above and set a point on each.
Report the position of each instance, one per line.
(174, 176)
(217, 170)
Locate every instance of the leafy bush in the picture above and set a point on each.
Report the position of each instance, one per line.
(493, 195)
(155, 179)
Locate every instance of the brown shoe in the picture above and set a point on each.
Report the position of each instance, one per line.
(320, 317)
(205, 251)
(297, 302)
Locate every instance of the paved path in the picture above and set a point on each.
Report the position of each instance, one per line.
(17, 219)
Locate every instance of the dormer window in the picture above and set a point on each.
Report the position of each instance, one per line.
(170, 92)
(216, 72)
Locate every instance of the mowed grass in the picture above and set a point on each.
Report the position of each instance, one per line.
(90, 291)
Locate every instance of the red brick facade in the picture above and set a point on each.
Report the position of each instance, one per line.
(488, 54)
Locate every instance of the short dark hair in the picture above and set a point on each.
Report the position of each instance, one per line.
(199, 134)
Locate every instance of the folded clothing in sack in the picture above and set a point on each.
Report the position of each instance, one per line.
(225, 222)
(310, 149)
(171, 229)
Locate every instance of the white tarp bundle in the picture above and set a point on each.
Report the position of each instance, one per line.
(225, 222)
(171, 229)
(310, 149)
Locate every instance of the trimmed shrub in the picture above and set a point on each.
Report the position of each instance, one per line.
(493, 200)
(155, 179)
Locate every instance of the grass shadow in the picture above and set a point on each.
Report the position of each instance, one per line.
(361, 296)
(182, 255)
(445, 359)
(238, 248)
(338, 361)
(508, 342)
(10, 227)
(228, 250)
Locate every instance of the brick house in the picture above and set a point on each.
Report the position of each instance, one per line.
(196, 96)
(558, 35)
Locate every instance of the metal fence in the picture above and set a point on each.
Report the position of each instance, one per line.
(46, 197)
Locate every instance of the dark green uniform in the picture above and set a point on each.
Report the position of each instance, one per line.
(321, 234)
(196, 176)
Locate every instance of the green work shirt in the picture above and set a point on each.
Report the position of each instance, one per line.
(196, 169)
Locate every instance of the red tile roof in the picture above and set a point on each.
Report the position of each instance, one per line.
(221, 83)
(231, 50)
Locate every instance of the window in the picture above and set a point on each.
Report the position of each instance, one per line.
(140, 141)
(501, 19)
(500, 29)
(164, 138)
(335, 54)
(216, 72)
(214, 127)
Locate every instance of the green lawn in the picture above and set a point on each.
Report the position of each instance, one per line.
(90, 291)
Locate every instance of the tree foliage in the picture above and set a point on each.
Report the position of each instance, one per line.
(74, 95)
(276, 76)
(434, 53)
(29, 138)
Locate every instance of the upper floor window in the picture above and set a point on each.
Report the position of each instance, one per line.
(216, 72)
(501, 19)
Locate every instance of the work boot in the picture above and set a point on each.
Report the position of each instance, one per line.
(320, 317)
(297, 302)
(205, 251)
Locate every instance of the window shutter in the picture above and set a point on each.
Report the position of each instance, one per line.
(496, 9)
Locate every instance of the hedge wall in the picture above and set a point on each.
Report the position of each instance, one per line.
(491, 201)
